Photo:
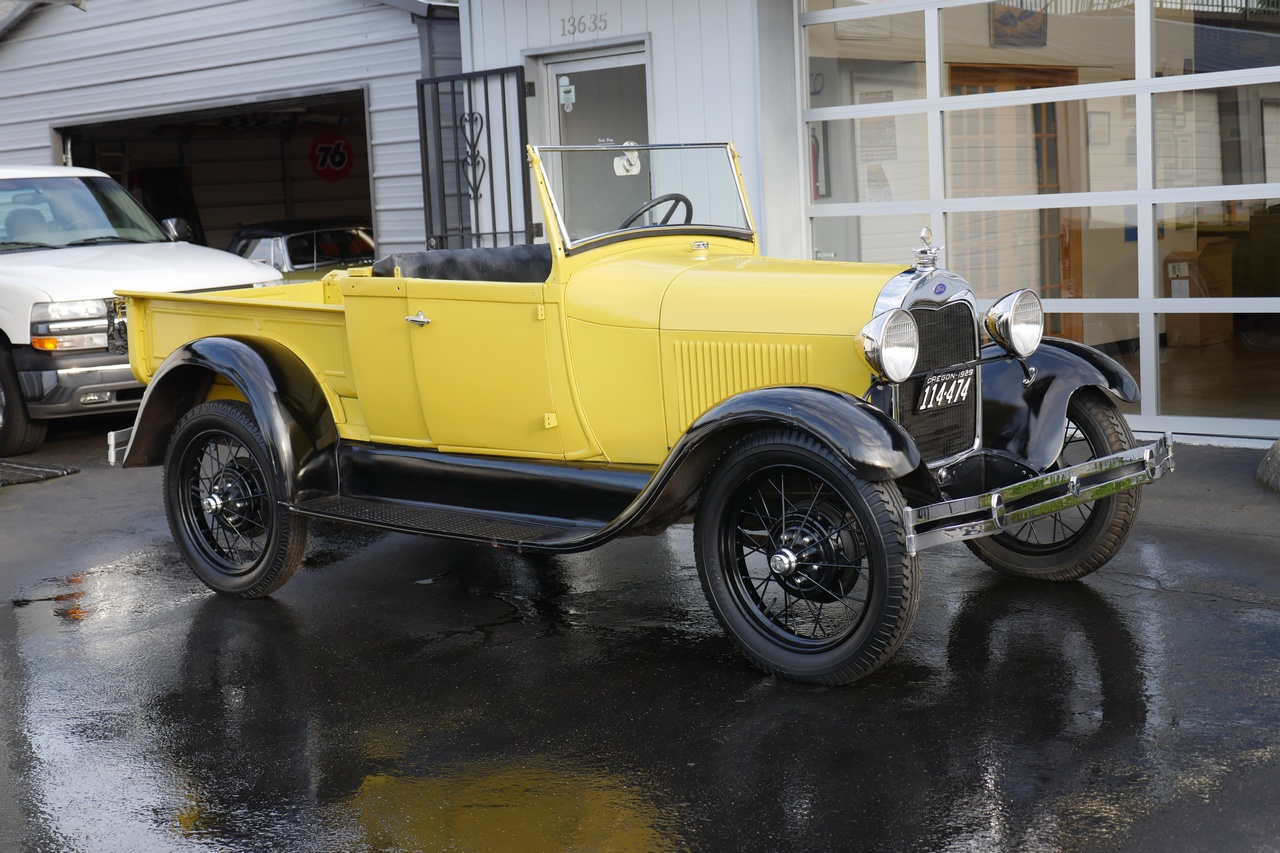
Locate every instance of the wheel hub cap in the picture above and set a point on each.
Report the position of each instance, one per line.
(226, 503)
(783, 563)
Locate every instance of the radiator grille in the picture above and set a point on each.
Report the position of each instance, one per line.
(948, 335)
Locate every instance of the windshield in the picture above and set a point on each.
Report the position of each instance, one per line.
(68, 211)
(331, 246)
(608, 191)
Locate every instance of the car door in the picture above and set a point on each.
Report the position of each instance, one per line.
(480, 359)
(380, 344)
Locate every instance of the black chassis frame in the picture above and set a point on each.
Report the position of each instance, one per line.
(550, 506)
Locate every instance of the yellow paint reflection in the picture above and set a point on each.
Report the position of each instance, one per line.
(523, 808)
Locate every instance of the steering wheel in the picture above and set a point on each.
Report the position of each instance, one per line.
(675, 199)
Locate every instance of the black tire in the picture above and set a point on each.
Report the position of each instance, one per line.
(221, 499)
(1081, 539)
(18, 432)
(804, 564)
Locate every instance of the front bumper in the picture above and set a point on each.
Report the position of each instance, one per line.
(1005, 508)
(75, 384)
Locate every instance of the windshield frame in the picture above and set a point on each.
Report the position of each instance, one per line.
(571, 245)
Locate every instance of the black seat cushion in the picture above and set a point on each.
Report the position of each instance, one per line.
(506, 263)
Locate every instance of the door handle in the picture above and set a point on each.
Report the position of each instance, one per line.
(417, 319)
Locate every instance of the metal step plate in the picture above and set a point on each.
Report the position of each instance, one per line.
(449, 522)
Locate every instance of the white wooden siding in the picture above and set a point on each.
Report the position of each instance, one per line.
(125, 59)
(719, 70)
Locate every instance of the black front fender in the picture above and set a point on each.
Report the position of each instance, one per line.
(1026, 421)
(871, 443)
(286, 400)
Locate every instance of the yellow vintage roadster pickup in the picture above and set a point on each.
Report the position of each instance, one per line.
(821, 423)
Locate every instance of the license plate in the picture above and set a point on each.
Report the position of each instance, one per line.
(945, 389)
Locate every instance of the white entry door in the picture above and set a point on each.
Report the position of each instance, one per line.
(600, 99)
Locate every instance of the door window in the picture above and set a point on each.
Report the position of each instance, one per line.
(600, 100)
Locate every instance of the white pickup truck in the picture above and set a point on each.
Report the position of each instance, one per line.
(69, 237)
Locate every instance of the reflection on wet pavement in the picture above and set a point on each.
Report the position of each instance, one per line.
(532, 806)
(408, 694)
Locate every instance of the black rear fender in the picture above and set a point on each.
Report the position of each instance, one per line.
(287, 402)
(1027, 421)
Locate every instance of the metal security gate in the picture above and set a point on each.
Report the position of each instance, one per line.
(475, 173)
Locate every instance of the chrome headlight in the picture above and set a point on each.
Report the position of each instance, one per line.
(82, 309)
(891, 343)
(60, 326)
(1016, 323)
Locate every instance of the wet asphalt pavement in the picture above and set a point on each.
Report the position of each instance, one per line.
(404, 693)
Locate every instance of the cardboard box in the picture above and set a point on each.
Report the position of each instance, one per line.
(1203, 274)
(1215, 267)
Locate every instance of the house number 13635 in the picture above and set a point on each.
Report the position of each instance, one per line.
(584, 24)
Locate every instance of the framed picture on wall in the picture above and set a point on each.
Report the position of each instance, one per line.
(1185, 145)
(1014, 26)
(1099, 128)
(877, 137)
(879, 29)
(1271, 138)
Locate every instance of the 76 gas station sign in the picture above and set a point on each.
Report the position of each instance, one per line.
(331, 156)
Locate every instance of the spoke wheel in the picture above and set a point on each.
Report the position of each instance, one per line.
(804, 563)
(1053, 532)
(223, 506)
(1081, 539)
(225, 501)
(798, 557)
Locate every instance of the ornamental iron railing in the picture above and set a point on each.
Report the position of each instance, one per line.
(475, 175)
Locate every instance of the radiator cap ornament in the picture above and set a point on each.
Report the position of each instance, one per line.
(926, 252)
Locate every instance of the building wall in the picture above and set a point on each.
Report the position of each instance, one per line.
(1116, 158)
(124, 59)
(717, 70)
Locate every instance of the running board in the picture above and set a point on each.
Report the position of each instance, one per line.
(508, 530)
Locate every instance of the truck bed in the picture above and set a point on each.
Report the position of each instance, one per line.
(307, 318)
